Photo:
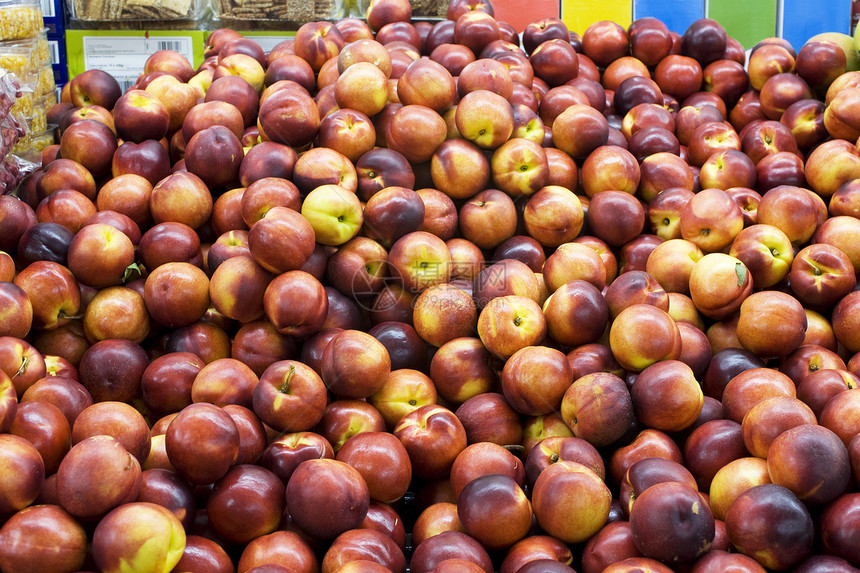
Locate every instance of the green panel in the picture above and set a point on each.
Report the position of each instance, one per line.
(123, 52)
(748, 21)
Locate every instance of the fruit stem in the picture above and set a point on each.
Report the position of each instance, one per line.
(25, 361)
(285, 387)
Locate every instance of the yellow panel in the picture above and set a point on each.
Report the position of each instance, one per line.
(580, 14)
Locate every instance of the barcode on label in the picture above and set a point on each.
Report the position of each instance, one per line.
(126, 83)
(169, 45)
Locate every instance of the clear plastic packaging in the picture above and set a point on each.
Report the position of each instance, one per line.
(41, 140)
(37, 121)
(30, 60)
(17, 59)
(23, 106)
(20, 19)
(10, 91)
(420, 8)
(10, 175)
(36, 137)
(11, 133)
(21, 146)
(281, 11)
(42, 49)
(429, 8)
(108, 11)
(44, 81)
(12, 171)
(358, 8)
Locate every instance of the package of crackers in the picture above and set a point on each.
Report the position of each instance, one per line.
(292, 11)
(134, 10)
(430, 9)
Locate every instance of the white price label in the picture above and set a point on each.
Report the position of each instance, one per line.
(124, 56)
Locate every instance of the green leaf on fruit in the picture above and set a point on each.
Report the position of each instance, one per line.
(130, 270)
(741, 271)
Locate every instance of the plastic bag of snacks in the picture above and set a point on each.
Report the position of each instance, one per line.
(11, 131)
(10, 90)
(30, 60)
(130, 10)
(17, 59)
(26, 53)
(23, 106)
(41, 140)
(280, 10)
(420, 8)
(36, 119)
(20, 19)
(12, 171)
(44, 83)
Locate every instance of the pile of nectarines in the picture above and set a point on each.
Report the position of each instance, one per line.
(440, 296)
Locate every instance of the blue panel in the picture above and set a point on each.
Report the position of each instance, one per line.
(58, 59)
(676, 14)
(52, 14)
(802, 19)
